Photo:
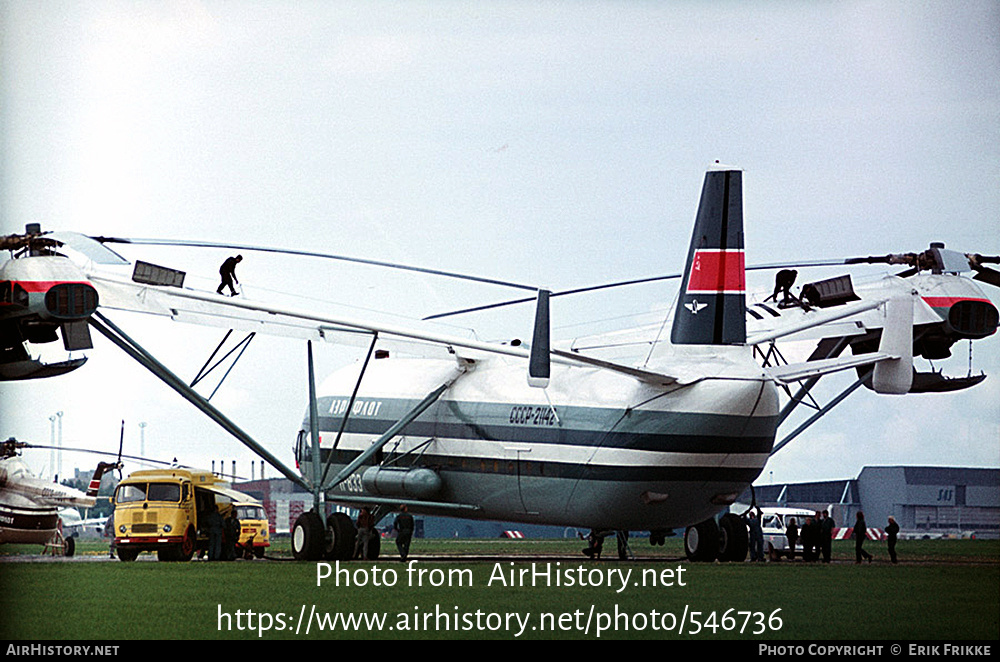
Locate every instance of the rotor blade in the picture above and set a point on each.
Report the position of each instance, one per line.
(894, 258)
(991, 276)
(623, 283)
(137, 458)
(93, 250)
(326, 256)
(539, 368)
(121, 445)
(579, 290)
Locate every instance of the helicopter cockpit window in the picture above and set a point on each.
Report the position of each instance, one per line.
(302, 447)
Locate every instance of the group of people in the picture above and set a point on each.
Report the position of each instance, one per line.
(860, 534)
(223, 535)
(816, 535)
(402, 525)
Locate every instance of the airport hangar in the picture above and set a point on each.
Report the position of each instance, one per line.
(926, 501)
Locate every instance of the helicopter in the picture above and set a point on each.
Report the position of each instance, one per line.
(648, 429)
(30, 507)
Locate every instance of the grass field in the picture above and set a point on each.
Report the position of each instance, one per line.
(948, 589)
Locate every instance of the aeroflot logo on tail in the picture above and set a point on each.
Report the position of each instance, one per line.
(715, 271)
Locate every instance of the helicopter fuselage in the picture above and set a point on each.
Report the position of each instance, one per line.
(595, 449)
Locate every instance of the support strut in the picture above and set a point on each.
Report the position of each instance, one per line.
(826, 408)
(144, 358)
(387, 436)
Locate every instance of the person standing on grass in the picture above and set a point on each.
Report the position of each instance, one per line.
(860, 536)
(792, 533)
(892, 530)
(404, 532)
(826, 535)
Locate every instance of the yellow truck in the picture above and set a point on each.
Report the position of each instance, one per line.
(255, 534)
(166, 511)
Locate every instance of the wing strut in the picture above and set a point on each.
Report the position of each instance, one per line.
(823, 410)
(133, 349)
(205, 370)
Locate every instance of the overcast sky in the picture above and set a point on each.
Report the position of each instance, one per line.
(555, 143)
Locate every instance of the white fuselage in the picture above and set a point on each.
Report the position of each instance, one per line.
(595, 449)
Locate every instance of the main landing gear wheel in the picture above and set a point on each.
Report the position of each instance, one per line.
(657, 537)
(701, 541)
(308, 537)
(734, 539)
(341, 538)
(374, 545)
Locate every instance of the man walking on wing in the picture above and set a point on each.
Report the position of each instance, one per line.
(228, 273)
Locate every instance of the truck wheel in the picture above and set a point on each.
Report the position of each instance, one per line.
(342, 537)
(186, 549)
(734, 539)
(701, 541)
(307, 537)
(126, 554)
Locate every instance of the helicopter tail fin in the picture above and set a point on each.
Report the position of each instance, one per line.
(711, 307)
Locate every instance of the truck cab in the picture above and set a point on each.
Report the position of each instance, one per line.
(255, 535)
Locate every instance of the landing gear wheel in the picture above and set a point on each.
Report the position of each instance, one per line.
(341, 538)
(258, 552)
(307, 537)
(657, 538)
(701, 541)
(374, 546)
(126, 554)
(734, 539)
(69, 546)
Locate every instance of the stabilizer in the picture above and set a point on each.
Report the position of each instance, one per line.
(711, 307)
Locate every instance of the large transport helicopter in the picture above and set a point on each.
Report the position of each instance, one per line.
(638, 430)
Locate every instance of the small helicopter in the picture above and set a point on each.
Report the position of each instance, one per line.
(647, 429)
(29, 506)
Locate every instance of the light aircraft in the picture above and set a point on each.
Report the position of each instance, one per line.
(648, 429)
(30, 506)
